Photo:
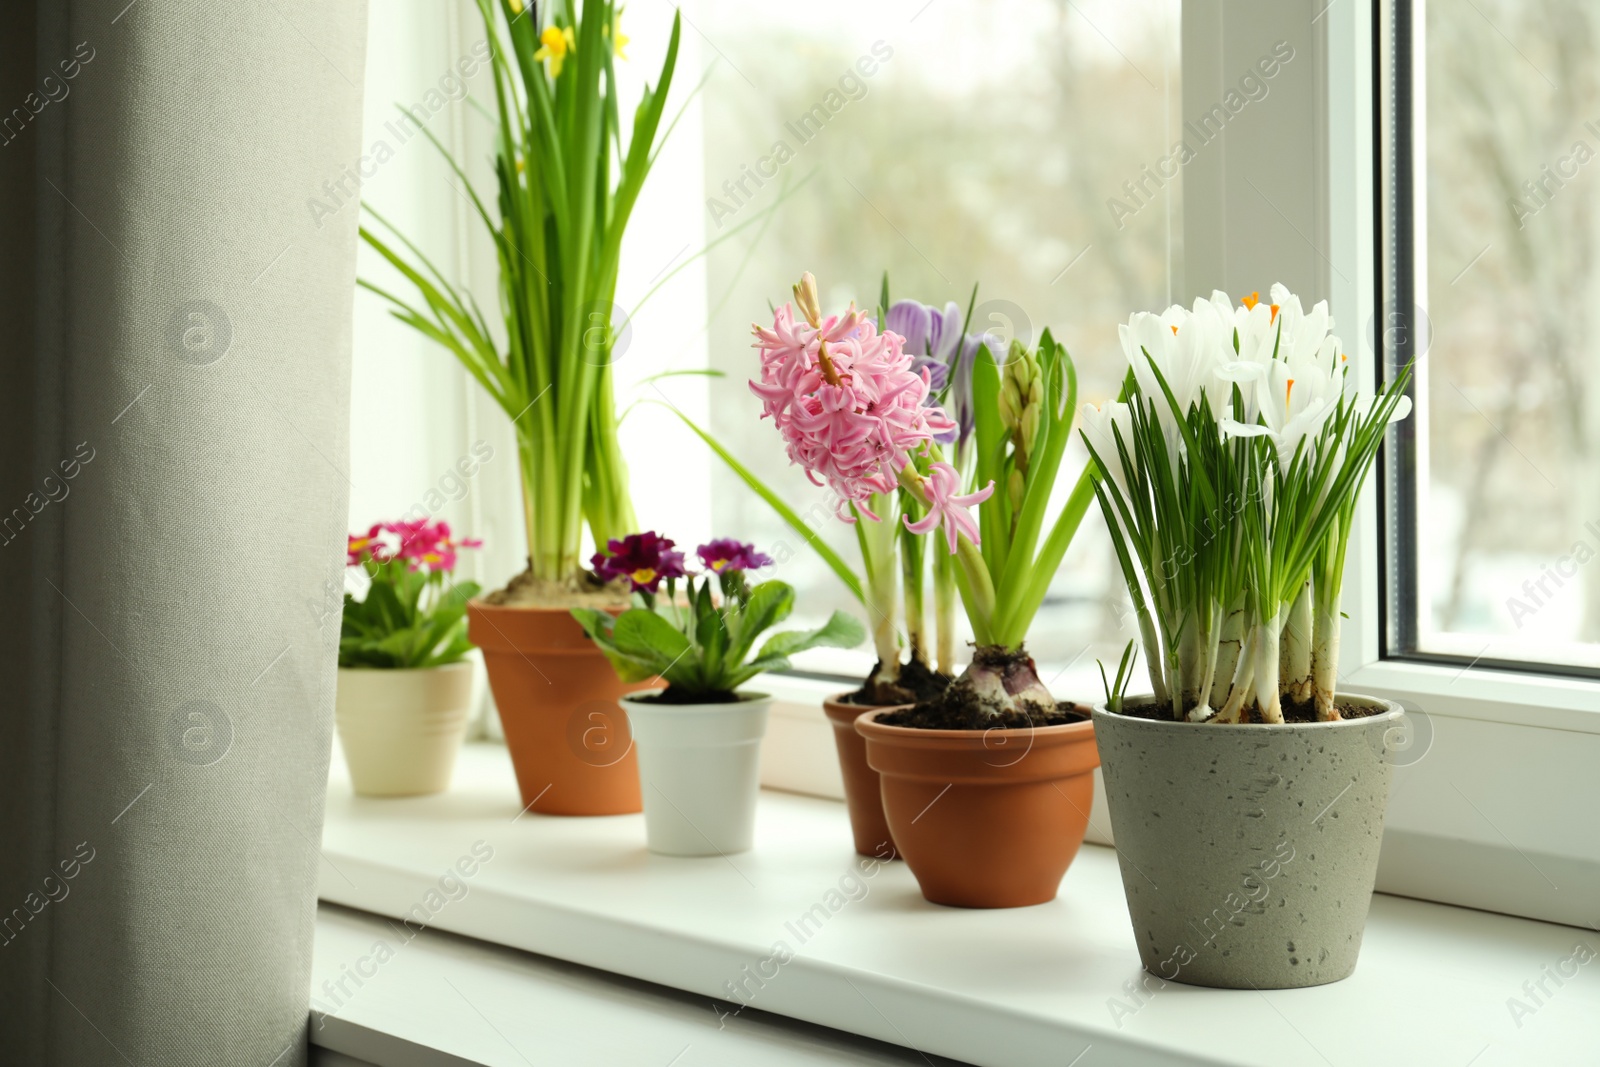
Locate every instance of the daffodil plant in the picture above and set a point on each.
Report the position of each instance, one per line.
(566, 182)
(702, 645)
(1232, 473)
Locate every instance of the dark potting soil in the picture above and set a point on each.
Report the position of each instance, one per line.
(944, 716)
(917, 682)
(676, 696)
(1293, 712)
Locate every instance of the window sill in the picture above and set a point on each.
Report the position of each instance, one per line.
(447, 1001)
(1033, 985)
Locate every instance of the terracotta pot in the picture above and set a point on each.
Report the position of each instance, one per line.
(985, 818)
(557, 694)
(1249, 852)
(862, 795)
(400, 729)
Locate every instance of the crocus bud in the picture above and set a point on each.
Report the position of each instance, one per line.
(805, 298)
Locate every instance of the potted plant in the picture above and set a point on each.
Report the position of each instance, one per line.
(699, 737)
(1247, 793)
(895, 568)
(853, 411)
(405, 687)
(567, 177)
(988, 788)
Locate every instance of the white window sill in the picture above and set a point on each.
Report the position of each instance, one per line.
(446, 1001)
(1022, 986)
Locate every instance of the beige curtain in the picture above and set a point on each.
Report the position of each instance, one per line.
(173, 440)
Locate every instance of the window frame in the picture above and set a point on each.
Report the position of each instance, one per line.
(1386, 628)
(1401, 95)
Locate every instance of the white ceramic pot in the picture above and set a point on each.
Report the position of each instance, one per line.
(400, 729)
(700, 770)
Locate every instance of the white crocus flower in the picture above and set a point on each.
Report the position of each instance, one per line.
(1097, 423)
(1259, 326)
(1185, 346)
(1292, 408)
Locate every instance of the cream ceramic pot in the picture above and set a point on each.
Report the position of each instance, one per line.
(400, 729)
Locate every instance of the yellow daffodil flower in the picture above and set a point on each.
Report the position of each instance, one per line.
(614, 31)
(555, 44)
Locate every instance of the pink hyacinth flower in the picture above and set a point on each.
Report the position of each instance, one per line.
(945, 506)
(854, 421)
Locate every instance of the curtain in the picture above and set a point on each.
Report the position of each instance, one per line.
(173, 490)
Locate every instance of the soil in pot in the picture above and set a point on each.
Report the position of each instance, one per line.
(985, 818)
(557, 696)
(915, 682)
(999, 690)
(1248, 851)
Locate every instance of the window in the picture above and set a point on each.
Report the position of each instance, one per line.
(1025, 145)
(930, 139)
(1493, 270)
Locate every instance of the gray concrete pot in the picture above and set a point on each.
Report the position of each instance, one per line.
(1248, 853)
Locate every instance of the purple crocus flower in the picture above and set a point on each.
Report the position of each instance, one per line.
(912, 320)
(936, 344)
(944, 331)
(960, 403)
(726, 556)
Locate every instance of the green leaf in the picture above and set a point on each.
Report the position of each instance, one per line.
(647, 637)
(840, 631)
(989, 447)
(768, 605)
(599, 626)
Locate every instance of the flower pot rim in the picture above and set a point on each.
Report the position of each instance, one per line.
(868, 726)
(1393, 711)
(745, 700)
(839, 699)
(479, 603)
(460, 663)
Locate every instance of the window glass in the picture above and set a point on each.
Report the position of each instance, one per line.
(949, 142)
(1508, 459)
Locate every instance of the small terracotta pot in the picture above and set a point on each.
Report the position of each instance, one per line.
(862, 796)
(985, 818)
(557, 694)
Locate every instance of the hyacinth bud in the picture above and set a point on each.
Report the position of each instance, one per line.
(1014, 487)
(1028, 429)
(1022, 397)
(1010, 404)
(805, 298)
